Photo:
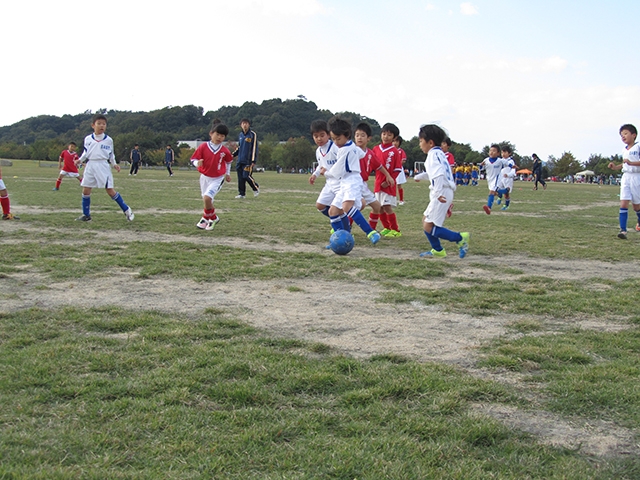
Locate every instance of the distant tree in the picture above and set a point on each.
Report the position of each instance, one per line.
(265, 157)
(295, 153)
(563, 166)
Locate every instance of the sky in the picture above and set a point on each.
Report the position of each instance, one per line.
(548, 76)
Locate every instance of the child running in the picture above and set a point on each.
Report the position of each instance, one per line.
(213, 161)
(326, 156)
(507, 175)
(630, 182)
(98, 153)
(442, 186)
(68, 165)
(492, 166)
(388, 156)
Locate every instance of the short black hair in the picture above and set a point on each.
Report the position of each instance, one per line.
(496, 146)
(73, 143)
(390, 127)
(220, 128)
(630, 128)
(398, 139)
(98, 116)
(447, 140)
(245, 120)
(507, 148)
(338, 126)
(534, 155)
(318, 126)
(364, 127)
(434, 133)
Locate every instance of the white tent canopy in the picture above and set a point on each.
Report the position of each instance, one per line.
(586, 173)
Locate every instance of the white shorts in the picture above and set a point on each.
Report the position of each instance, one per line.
(2, 185)
(630, 187)
(493, 184)
(436, 212)
(367, 195)
(402, 178)
(328, 192)
(386, 199)
(64, 173)
(505, 183)
(97, 174)
(350, 191)
(209, 186)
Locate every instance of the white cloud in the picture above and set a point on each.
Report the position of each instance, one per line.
(291, 8)
(430, 7)
(467, 8)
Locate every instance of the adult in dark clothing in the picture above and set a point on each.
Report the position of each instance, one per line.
(169, 158)
(537, 172)
(247, 153)
(135, 158)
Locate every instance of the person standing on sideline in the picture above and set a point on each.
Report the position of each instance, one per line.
(169, 158)
(98, 153)
(537, 172)
(68, 165)
(135, 158)
(247, 153)
(630, 182)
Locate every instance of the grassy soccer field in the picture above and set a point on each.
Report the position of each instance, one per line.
(152, 349)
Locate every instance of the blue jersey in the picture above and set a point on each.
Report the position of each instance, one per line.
(247, 151)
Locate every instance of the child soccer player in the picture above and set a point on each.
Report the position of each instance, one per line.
(4, 201)
(98, 153)
(441, 188)
(68, 165)
(475, 174)
(368, 164)
(630, 182)
(492, 166)
(505, 181)
(402, 178)
(346, 171)
(388, 156)
(326, 156)
(213, 161)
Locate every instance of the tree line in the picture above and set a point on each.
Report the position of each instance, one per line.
(282, 126)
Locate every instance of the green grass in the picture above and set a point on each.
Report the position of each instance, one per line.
(111, 393)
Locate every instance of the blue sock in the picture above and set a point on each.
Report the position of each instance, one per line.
(325, 211)
(441, 232)
(360, 220)
(507, 201)
(638, 215)
(624, 216)
(435, 243)
(86, 205)
(346, 224)
(336, 223)
(490, 200)
(118, 199)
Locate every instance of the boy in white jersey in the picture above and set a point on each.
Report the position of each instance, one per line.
(213, 161)
(98, 153)
(442, 186)
(505, 181)
(326, 156)
(346, 171)
(630, 182)
(492, 166)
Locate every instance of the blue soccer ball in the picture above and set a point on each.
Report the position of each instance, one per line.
(342, 242)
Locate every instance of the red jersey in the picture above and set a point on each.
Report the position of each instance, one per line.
(69, 159)
(215, 159)
(403, 157)
(389, 158)
(450, 158)
(369, 163)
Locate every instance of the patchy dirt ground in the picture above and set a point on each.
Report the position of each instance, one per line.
(298, 308)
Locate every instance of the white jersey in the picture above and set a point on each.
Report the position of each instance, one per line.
(507, 174)
(347, 163)
(98, 149)
(493, 170)
(633, 155)
(326, 155)
(439, 172)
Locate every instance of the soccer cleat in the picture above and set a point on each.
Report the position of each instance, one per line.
(463, 244)
(239, 196)
(9, 216)
(394, 233)
(203, 223)
(506, 207)
(450, 210)
(374, 237)
(83, 218)
(622, 235)
(434, 253)
(256, 193)
(637, 227)
(384, 232)
(55, 189)
(544, 187)
(401, 203)
(487, 210)
(499, 201)
(129, 214)
(212, 223)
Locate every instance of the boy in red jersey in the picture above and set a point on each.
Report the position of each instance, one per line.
(68, 165)
(402, 177)
(213, 161)
(4, 201)
(385, 192)
(369, 164)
